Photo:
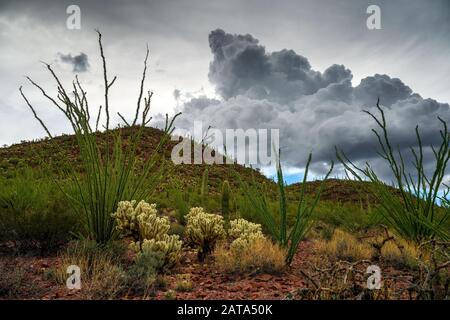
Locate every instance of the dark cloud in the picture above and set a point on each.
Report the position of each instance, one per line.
(79, 62)
(241, 66)
(315, 111)
(393, 90)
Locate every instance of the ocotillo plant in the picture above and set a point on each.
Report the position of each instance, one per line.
(109, 168)
(412, 212)
(286, 236)
(226, 194)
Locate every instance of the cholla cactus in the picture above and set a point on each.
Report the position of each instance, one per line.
(244, 234)
(126, 219)
(151, 226)
(244, 242)
(148, 230)
(203, 230)
(169, 246)
(241, 228)
(194, 211)
(140, 222)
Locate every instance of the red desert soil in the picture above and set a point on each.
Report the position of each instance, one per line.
(208, 283)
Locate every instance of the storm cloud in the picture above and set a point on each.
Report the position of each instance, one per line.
(315, 111)
(79, 62)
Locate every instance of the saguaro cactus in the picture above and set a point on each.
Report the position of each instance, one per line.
(226, 193)
(204, 186)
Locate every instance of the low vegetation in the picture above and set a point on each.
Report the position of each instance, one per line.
(34, 214)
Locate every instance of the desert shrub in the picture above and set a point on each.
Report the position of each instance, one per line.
(252, 255)
(321, 230)
(350, 217)
(101, 275)
(432, 281)
(344, 246)
(34, 213)
(106, 280)
(203, 230)
(247, 211)
(168, 246)
(142, 274)
(183, 283)
(181, 206)
(400, 253)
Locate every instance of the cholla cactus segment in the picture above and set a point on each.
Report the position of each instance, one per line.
(241, 228)
(194, 211)
(244, 234)
(169, 246)
(126, 219)
(244, 242)
(204, 230)
(151, 226)
(140, 222)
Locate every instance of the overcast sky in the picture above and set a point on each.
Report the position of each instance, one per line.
(300, 65)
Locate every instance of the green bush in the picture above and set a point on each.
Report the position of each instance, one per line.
(181, 205)
(350, 217)
(34, 213)
(141, 275)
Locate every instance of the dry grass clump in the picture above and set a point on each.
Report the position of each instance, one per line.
(400, 253)
(344, 246)
(260, 255)
(101, 276)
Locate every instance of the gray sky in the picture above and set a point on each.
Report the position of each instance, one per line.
(413, 46)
